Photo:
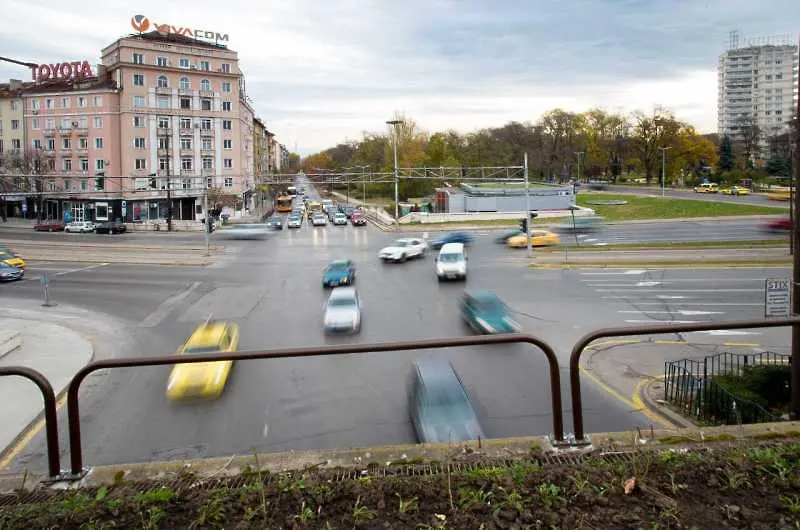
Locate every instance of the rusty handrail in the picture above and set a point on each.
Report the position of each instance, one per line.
(73, 412)
(50, 413)
(580, 346)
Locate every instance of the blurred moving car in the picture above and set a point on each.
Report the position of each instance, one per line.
(339, 272)
(580, 224)
(506, 235)
(204, 379)
(402, 249)
(245, 231)
(275, 222)
(784, 224)
(342, 311)
(339, 219)
(780, 194)
(485, 313)
(539, 238)
(111, 227)
(357, 219)
(11, 259)
(9, 273)
(707, 187)
(453, 237)
(49, 225)
(735, 190)
(451, 263)
(79, 227)
(319, 219)
(441, 410)
(294, 221)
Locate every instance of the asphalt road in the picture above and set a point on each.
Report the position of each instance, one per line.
(754, 199)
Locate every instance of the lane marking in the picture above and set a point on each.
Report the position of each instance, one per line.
(684, 290)
(667, 321)
(82, 269)
(28, 436)
(266, 430)
(684, 312)
(747, 344)
(637, 271)
(661, 304)
(728, 332)
(167, 306)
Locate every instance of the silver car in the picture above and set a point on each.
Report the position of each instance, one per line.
(343, 311)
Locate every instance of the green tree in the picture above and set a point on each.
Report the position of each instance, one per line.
(726, 154)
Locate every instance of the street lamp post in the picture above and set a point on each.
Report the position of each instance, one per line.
(664, 169)
(394, 124)
(579, 154)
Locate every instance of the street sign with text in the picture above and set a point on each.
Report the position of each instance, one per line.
(777, 297)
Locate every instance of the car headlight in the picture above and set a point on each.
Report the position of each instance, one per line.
(485, 325)
(439, 269)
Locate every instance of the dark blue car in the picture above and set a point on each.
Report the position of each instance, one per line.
(453, 237)
(340, 272)
(9, 273)
(275, 222)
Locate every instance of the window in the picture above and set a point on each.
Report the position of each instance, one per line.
(228, 182)
(66, 164)
(66, 143)
(778, 76)
(227, 144)
(208, 162)
(101, 210)
(99, 164)
(138, 121)
(138, 79)
(98, 122)
(98, 143)
(84, 184)
(186, 103)
(227, 125)
(186, 163)
(161, 61)
(186, 184)
(51, 144)
(163, 142)
(138, 101)
(67, 184)
(98, 101)
(183, 62)
(162, 82)
(65, 123)
(163, 164)
(51, 164)
(35, 123)
(83, 122)
(82, 102)
(186, 142)
(186, 123)
(138, 143)
(205, 124)
(51, 124)
(226, 86)
(140, 163)
(37, 144)
(205, 65)
(209, 182)
(184, 83)
(138, 58)
(83, 143)
(51, 185)
(205, 84)
(14, 125)
(48, 103)
(34, 104)
(226, 106)
(65, 103)
(206, 144)
(226, 68)
(163, 122)
(205, 104)
(163, 102)
(227, 163)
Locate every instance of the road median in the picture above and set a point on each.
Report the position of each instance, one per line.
(705, 257)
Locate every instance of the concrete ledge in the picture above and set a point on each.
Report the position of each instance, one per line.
(9, 341)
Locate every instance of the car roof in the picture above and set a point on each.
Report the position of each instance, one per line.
(340, 262)
(452, 247)
(483, 296)
(207, 334)
(437, 370)
(342, 292)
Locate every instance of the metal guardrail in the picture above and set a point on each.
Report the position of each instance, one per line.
(580, 346)
(73, 411)
(50, 416)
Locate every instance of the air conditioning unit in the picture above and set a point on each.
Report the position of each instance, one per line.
(74, 123)
(107, 162)
(35, 112)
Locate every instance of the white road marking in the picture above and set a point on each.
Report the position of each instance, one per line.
(728, 332)
(266, 430)
(707, 304)
(686, 290)
(600, 244)
(667, 321)
(161, 312)
(90, 267)
(668, 297)
(637, 271)
(590, 240)
(684, 312)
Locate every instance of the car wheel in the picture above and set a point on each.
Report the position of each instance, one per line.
(403, 258)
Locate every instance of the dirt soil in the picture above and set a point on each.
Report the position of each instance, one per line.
(732, 487)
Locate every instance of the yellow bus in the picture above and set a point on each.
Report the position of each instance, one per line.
(283, 204)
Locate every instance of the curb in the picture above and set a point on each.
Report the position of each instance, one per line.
(121, 261)
(663, 265)
(646, 392)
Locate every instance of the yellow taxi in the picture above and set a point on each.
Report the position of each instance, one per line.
(708, 187)
(9, 258)
(539, 238)
(784, 194)
(204, 379)
(735, 190)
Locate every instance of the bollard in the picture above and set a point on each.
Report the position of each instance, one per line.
(45, 281)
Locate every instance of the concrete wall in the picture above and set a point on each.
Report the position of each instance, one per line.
(557, 198)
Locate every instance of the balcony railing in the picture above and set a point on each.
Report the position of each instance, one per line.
(184, 91)
(163, 151)
(206, 93)
(163, 91)
(164, 131)
(187, 151)
(186, 130)
(206, 132)
(207, 152)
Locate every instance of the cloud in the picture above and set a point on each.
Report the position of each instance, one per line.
(323, 72)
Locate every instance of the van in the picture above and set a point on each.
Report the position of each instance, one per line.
(451, 263)
(707, 187)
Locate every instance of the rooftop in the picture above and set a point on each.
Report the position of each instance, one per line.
(155, 36)
(61, 85)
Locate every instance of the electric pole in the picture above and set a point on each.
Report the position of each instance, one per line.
(795, 366)
(169, 187)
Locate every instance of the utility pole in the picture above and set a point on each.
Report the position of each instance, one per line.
(527, 207)
(169, 187)
(394, 124)
(795, 379)
(663, 169)
(207, 226)
(580, 154)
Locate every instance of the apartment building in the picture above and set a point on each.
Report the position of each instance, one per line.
(757, 85)
(12, 141)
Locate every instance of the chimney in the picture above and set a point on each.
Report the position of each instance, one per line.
(14, 84)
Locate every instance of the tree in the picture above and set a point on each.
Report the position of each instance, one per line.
(650, 134)
(748, 136)
(24, 173)
(726, 153)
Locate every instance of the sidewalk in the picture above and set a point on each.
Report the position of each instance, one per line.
(52, 349)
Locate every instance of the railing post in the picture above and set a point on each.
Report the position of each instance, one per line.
(50, 414)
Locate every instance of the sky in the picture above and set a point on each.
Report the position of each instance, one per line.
(327, 71)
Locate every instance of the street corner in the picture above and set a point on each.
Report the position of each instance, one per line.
(650, 394)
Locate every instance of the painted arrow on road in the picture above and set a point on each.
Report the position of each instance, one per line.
(647, 284)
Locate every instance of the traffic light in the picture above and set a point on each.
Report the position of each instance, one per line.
(523, 225)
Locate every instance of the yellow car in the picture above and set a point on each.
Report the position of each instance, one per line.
(707, 188)
(735, 190)
(539, 238)
(780, 195)
(9, 258)
(204, 379)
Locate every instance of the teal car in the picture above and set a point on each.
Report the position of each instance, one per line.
(485, 313)
(340, 272)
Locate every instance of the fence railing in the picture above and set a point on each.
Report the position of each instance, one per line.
(690, 386)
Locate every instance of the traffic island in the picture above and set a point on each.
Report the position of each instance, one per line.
(743, 477)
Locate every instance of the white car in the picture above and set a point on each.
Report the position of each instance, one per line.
(340, 219)
(404, 248)
(294, 222)
(343, 311)
(319, 219)
(79, 227)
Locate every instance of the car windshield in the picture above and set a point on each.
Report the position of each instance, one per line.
(5, 265)
(450, 257)
(400, 243)
(201, 349)
(490, 305)
(445, 403)
(342, 302)
(338, 266)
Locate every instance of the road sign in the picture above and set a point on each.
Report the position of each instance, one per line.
(777, 297)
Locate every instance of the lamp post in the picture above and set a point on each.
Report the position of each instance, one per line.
(579, 154)
(394, 124)
(664, 169)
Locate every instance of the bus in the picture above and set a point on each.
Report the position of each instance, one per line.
(283, 204)
(292, 191)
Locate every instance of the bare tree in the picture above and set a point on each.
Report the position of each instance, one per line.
(748, 136)
(24, 173)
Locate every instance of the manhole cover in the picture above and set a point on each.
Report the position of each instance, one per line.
(607, 203)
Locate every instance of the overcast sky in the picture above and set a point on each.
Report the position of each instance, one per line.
(321, 72)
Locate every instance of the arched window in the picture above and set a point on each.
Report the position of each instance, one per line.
(163, 82)
(205, 85)
(184, 83)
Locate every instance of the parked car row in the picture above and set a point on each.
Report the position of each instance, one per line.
(80, 227)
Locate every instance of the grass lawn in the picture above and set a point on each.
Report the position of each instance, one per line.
(639, 207)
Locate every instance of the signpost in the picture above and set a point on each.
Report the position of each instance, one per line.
(45, 281)
(777, 298)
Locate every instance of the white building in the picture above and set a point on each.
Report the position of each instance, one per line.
(757, 85)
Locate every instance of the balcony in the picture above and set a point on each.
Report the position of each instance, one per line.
(82, 151)
(206, 132)
(49, 152)
(207, 172)
(186, 130)
(65, 152)
(163, 91)
(185, 92)
(207, 152)
(65, 130)
(206, 93)
(187, 151)
(163, 151)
